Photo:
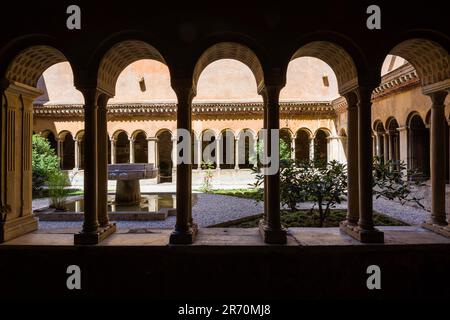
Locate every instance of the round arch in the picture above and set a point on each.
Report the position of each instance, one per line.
(229, 50)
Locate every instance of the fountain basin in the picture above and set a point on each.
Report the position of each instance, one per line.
(128, 190)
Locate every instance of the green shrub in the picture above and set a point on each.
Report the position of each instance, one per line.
(207, 168)
(44, 162)
(58, 191)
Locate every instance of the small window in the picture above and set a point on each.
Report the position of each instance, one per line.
(142, 84)
(326, 83)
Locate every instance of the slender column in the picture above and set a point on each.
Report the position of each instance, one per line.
(386, 147)
(77, 153)
(59, 151)
(113, 150)
(199, 153)
(236, 154)
(271, 229)
(403, 133)
(438, 215)
(185, 229)
(152, 147)
(255, 152)
(102, 158)
(219, 146)
(174, 153)
(132, 149)
(352, 159)
(311, 149)
(374, 145)
(293, 148)
(367, 231)
(90, 224)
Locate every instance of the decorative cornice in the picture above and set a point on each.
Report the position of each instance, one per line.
(324, 108)
(401, 79)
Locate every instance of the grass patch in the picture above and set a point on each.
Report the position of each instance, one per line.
(304, 218)
(44, 193)
(239, 193)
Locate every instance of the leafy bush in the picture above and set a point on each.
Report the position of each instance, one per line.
(207, 176)
(392, 181)
(44, 162)
(57, 189)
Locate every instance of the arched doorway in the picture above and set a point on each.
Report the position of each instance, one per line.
(140, 148)
(122, 148)
(302, 146)
(165, 145)
(419, 146)
(321, 147)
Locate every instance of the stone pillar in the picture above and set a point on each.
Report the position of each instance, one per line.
(77, 153)
(311, 149)
(59, 152)
(366, 232)
(352, 161)
(131, 149)
(374, 146)
(16, 215)
(437, 157)
(185, 229)
(386, 147)
(219, 146)
(113, 150)
(199, 153)
(236, 154)
(152, 154)
(293, 148)
(102, 158)
(174, 153)
(270, 227)
(403, 133)
(91, 234)
(255, 152)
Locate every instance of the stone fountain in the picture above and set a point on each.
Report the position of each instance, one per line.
(128, 191)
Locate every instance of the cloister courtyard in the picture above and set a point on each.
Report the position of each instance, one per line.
(254, 146)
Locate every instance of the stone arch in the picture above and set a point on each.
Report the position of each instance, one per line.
(209, 138)
(140, 146)
(429, 58)
(336, 57)
(286, 137)
(229, 50)
(418, 145)
(122, 144)
(29, 64)
(120, 55)
(321, 145)
(303, 140)
(247, 141)
(67, 156)
(165, 147)
(52, 139)
(394, 140)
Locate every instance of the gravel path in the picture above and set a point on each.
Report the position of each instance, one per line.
(209, 209)
(212, 209)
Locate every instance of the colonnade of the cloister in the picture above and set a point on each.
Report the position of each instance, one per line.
(304, 144)
(356, 82)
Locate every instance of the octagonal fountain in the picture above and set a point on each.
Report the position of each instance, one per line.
(128, 190)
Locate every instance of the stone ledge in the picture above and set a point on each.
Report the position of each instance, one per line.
(94, 238)
(272, 236)
(443, 230)
(17, 227)
(364, 236)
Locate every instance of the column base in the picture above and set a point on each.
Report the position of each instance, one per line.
(272, 236)
(443, 230)
(185, 237)
(364, 236)
(17, 227)
(85, 238)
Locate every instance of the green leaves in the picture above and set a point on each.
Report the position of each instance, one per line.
(392, 181)
(44, 162)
